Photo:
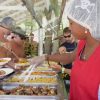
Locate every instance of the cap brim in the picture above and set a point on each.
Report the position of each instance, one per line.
(20, 34)
(8, 28)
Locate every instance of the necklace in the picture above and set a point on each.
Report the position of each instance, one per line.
(83, 57)
(85, 54)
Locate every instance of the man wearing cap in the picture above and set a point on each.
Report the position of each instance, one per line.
(16, 40)
(6, 26)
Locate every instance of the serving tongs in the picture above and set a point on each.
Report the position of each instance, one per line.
(27, 73)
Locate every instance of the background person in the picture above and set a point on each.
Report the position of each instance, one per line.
(68, 46)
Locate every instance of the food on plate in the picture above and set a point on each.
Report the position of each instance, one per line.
(2, 72)
(3, 60)
(5, 71)
(23, 60)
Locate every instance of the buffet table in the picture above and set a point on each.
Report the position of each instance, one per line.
(40, 83)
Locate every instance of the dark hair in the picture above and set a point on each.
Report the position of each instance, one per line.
(66, 29)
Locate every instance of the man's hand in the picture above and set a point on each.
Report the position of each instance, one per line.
(62, 50)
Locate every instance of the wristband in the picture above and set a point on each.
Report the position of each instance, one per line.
(63, 70)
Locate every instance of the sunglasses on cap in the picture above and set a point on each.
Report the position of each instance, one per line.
(67, 36)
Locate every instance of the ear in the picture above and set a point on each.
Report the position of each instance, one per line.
(86, 31)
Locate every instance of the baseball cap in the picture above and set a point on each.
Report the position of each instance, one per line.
(8, 23)
(20, 32)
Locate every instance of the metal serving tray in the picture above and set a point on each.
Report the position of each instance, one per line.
(34, 76)
(31, 78)
(5, 84)
(25, 97)
(14, 97)
(22, 83)
(42, 73)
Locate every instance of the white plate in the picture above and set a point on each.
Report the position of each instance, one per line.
(4, 61)
(7, 71)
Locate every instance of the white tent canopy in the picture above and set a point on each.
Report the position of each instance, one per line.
(46, 13)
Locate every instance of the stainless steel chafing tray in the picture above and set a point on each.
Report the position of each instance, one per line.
(33, 80)
(18, 96)
(3, 97)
